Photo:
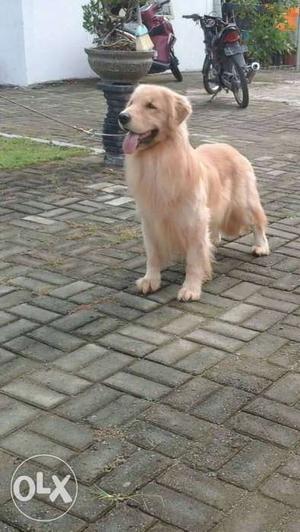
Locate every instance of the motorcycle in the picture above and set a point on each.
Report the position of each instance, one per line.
(224, 65)
(163, 37)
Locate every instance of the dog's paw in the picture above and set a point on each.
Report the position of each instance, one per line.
(146, 285)
(261, 251)
(188, 294)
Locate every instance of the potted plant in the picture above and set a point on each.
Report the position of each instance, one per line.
(269, 38)
(114, 57)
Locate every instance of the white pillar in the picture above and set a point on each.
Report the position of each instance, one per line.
(217, 7)
(13, 69)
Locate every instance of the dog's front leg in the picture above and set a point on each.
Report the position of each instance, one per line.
(198, 265)
(152, 280)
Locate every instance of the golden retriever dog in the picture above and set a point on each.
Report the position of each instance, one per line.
(187, 198)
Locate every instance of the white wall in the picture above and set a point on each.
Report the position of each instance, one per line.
(43, 40)
(12, 55)
(55, 40)
(190, 46)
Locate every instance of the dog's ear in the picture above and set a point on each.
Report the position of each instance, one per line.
(183, 109)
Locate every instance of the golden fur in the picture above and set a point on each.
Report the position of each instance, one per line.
(186, 197)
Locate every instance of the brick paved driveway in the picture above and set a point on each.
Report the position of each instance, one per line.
(173, 416)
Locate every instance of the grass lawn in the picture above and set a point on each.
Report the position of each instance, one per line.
(19, 153)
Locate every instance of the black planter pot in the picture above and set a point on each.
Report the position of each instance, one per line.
(117, 97)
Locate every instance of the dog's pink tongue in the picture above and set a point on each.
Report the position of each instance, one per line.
(130, 143)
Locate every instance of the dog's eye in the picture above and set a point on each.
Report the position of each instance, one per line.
(150, 105)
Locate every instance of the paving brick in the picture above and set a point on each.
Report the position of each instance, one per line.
(282, 414)
(160, 317)
(178, 509)
(264, 429)
(54, 304)
(252, 465)
(130, 346)
(183, 324)
(6, 356)
(262, 346)
(139, 303)
(163, 527)
(116, 311)
(200, 360)
(287, 357)
(214, 449)
(60, 381)
(241, 291)
(254, 513)
(281, 488)
(289, 281)
(154, 438)
(8, 464)
(202, 486)
(118, 411)
(263, 320)
(230, 330)
(58, 339)
(14, 414)
(172, 352)
(261, 368)
(35, 394)
(192, 393)
(16, 328)
(239, 313)
(105, 366)
(291, 333)
(282, 295)
(147, 335)
(34, 313)
(291, 468)
(6, 318)
(137, 386)
(75, 320)
(158, 373)
(74, 435)
(211, 447)
(88, 506)
(220, 284)
(39, 510)
(141, 467)
(81, 357)
(270, 303)
(89, 401)
(123, 519)
(27, 444)
(103, 457)
(13, 368)
(292, 522)
(215, 340)
(14, 298)
(237, 379)
(222, 404)
(285, 390)
(71, 289)
(31, 348)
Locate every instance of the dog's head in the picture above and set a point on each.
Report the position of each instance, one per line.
(152, 115)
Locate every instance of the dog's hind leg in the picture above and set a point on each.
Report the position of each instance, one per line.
(261, 245)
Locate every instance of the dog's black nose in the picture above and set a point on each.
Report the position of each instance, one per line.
(124, 118)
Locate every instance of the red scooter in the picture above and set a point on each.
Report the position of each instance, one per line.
(162, 35)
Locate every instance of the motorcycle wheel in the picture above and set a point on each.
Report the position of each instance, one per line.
(209, 78)
(174, 68)
(241, 91)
